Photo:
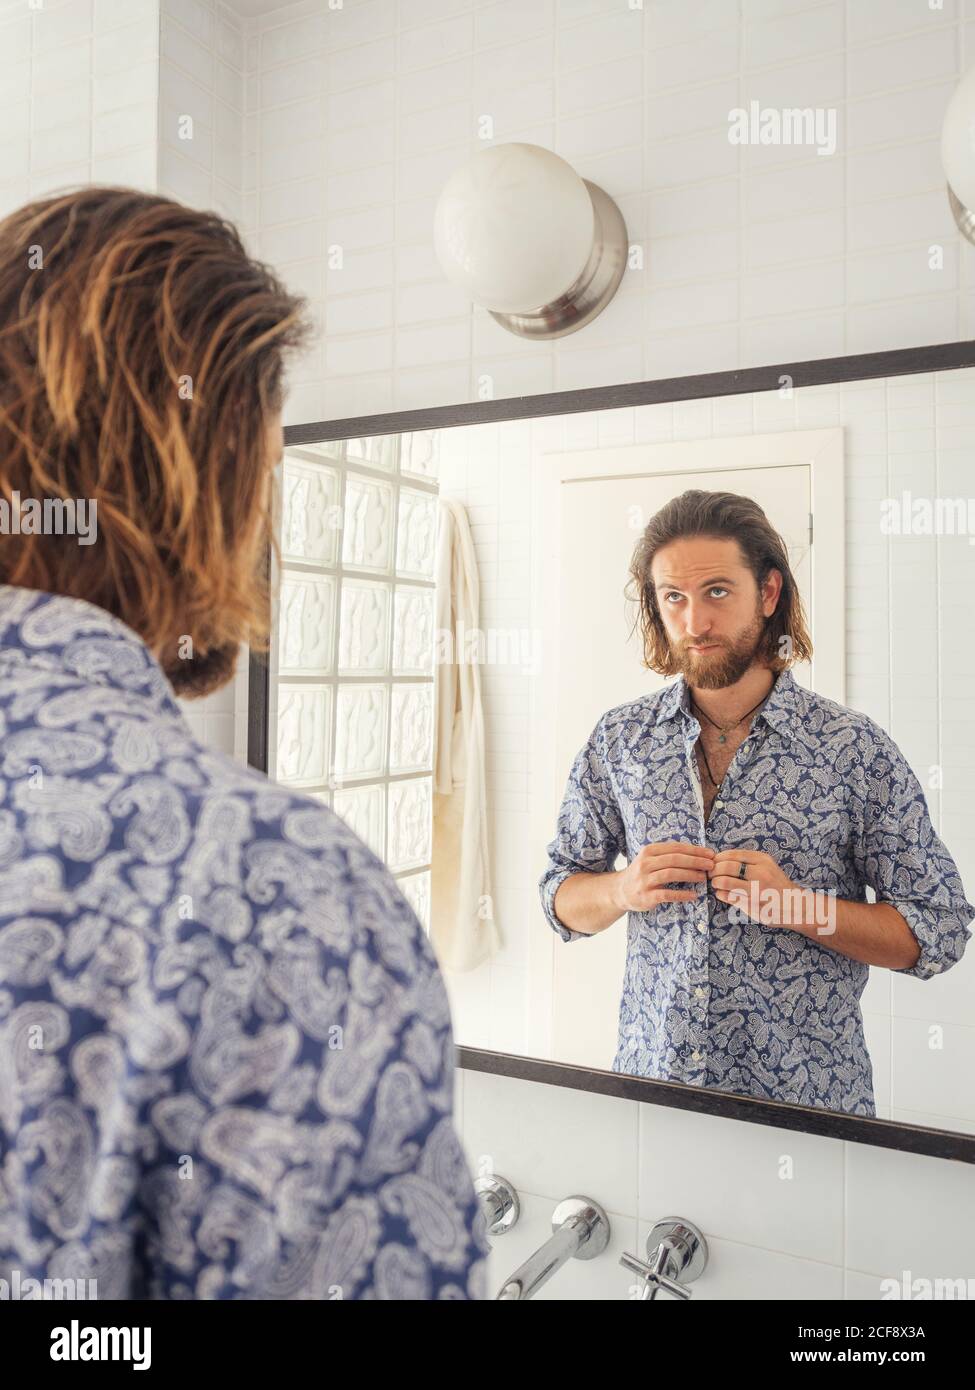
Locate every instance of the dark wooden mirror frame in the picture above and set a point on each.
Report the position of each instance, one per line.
(888, 1134)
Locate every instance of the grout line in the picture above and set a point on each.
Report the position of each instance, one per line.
(845, 328)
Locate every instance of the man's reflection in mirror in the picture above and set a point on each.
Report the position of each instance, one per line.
(753, 814)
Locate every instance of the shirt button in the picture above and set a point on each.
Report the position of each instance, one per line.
(699, 992)
(701, 926)
(696, 1056)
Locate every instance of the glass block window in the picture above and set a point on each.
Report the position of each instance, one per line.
(352, 694)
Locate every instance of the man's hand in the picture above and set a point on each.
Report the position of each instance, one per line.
(642, 884)
(765, 894)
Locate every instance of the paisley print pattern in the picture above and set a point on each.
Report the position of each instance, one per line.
(226, 1057)
(826, 793)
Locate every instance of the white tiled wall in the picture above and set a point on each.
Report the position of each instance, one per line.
(906, 668)
(78, 94)
(357, 115)
(201, 106)
(786, 1216)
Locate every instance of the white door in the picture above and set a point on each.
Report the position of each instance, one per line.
(598, 653)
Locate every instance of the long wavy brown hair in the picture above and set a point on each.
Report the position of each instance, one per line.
(723, 516)
(142, 354)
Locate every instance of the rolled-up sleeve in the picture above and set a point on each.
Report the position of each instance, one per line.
(901, 857)
(589, 835)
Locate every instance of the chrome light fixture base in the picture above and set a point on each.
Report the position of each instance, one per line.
(592, 290)
(964, 217)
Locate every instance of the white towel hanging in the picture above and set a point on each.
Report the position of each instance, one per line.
(463, 928)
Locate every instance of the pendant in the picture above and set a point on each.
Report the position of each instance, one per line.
(722, 739)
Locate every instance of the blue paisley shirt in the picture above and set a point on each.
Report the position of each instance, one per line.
(226, 1058)
(827, 794)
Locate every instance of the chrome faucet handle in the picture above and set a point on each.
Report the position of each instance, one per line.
(499, 1203)
(674, 1247)
(655, 1280)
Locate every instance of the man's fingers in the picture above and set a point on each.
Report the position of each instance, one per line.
(683, 856)
(680, 846)
(666, 874)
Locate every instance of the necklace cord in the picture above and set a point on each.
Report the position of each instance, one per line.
(697, 710)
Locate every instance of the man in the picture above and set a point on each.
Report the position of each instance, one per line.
(226, 1062)
(776, 805)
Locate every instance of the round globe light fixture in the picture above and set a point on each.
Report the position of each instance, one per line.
(958, 154)
(540, 248)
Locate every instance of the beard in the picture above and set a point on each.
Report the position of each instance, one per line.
(726, 663)
(193, 679)
(202, 675)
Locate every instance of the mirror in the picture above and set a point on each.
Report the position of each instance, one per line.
(483, 715)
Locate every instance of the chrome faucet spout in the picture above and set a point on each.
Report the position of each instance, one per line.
(580, 1230)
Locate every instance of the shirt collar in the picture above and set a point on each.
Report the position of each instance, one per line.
(85, 642)
(779, 711)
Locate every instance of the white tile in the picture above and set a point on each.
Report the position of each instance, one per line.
(122, 46)
(444, 342)
(684, 257)
(867, 22)
(896, 171)
(359, 106)
(932, 1234)
(745, 1272)
(434, 43)
(56, 24)
(788, 37)
(619, 80)
(873, 277)
(919, 217)
(680, 306)
(58, 67)
(793, 289)
(898, 116)
(572, 1141)
(359, 353)
(934, 1062)
(66, 144)
(15, 38)
(706, 58)
(186, 51)
(921, 57)
(809, 187)
(873, 328)
(600, 39)
(702, 349)
(690, 158)
(810, 236)
(674, 212)
(668, 23)
(305, 78)
(744, 1182)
